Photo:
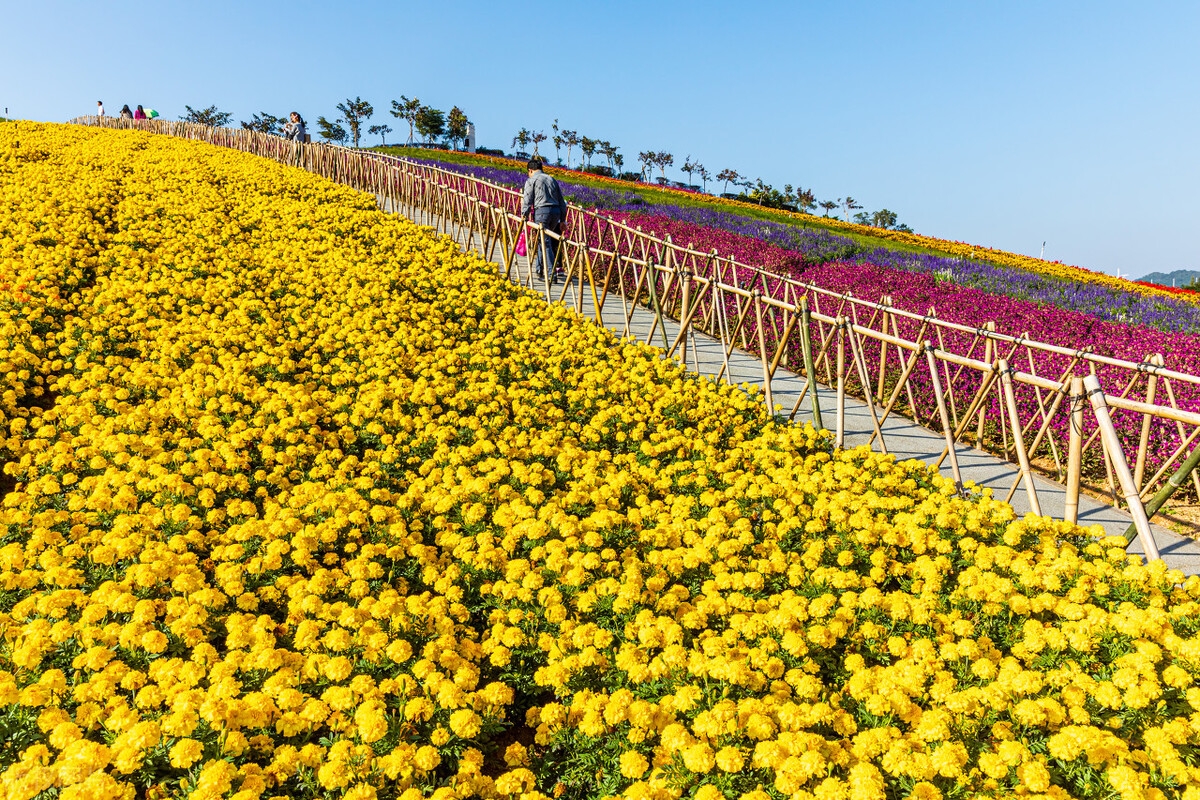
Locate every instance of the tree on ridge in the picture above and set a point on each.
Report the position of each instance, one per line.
(354, 113)
(728, 176)
(537, 137)
(456, 126)
(331, 131)
(521, 140)
(850, 204)
(407, 110)
(431, 123)
(266, 123)
(382, 131)
(207, 116)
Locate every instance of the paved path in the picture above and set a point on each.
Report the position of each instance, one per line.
(904, 438)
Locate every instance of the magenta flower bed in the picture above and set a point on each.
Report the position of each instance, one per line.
(742, 248)
(918, 293)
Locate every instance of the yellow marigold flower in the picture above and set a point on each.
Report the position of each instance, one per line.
(427, 758)
(338, 668)
(360, 791)
(185, 752)
(633, 764)
(924, 790)
(515, 781)
(1034, 776)
(465, 723)
(699, 758)
(730, 759)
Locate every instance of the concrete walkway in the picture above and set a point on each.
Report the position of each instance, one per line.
(904, 439)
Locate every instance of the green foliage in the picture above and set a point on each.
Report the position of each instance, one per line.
(354, 113)
(207, 116)
(456, 126)
(430, 122)
(264, 123)
(408, 110)
(381, 131)
(331, 131)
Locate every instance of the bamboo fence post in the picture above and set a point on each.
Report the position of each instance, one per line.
(1116, 456)
(1037, 440)
(1139, 469)
(685, 314)
(810, 367)
(944, 413)
(1075, 451)
(1179, 429)
(1010, 400)
(1173, 483)
(989, 354)
(886, 302)
(840, 433)
(762, 348)
(860, 363)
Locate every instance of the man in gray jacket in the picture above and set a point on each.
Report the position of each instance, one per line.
(544, 198)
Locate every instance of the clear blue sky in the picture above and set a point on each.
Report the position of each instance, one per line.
(1001, 124)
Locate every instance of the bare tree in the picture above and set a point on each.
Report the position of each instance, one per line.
(521, 140)
(608, 151)
(381, 131)
(647, 159)
(354, 113)
(850, 204)
(588, 145)
(570, 139)
(407, 110)
(728, 176)
(662, 160)
(558, 141)
(537, 137)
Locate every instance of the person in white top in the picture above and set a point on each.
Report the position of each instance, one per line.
(99, 108)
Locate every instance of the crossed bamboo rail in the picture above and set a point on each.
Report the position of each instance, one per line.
(1016, 397)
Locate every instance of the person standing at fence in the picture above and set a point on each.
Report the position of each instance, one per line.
(544, 198)
(293, 129)
(125, 112)
(100, 109)
(140, 114)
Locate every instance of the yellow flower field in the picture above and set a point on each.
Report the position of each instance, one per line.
(300, 501)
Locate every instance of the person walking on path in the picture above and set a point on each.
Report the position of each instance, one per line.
(544, 198)
(293, 129)
(100, 109)
(125, 112)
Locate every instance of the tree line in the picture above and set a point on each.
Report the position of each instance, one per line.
(433, 125)
(754, 191)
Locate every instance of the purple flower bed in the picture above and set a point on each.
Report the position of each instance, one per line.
(1102, 302)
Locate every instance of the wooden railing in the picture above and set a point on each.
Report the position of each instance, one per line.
(1037, 404)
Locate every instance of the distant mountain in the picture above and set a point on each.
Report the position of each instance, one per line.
(1179, 277)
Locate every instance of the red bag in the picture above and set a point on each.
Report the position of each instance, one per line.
(521, 243)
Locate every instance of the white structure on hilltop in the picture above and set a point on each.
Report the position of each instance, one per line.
(469, 143)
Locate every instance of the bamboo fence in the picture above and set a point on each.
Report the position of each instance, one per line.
(1016, 397)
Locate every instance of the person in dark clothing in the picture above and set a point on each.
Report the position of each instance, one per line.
(544, 199)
